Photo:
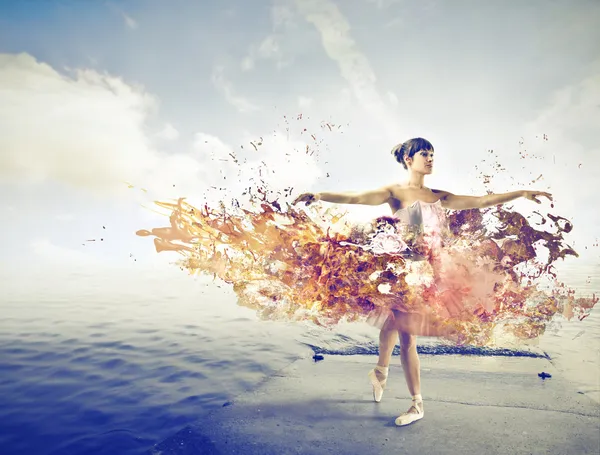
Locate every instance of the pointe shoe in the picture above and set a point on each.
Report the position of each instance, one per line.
(414, 413)
(378, 385)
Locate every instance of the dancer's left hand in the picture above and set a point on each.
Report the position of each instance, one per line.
(533, 195)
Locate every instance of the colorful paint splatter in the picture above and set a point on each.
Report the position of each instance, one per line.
(479, 279)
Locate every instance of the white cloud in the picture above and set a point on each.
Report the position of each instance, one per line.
(247, 63)
(90, 133)
(381, 4)
(168, 133)
(354, 65)
(282, 15)
(226, 89)
(392, 98)
(86, 129)
(304, 102)
(130, 22)
(271, 46)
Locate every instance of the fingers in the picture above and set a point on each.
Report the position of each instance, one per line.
(305, 197)
(533, 195)
(299, 198)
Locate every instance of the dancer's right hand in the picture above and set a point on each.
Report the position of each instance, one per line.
(307, 198)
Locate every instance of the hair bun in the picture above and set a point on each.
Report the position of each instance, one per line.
(398, 152)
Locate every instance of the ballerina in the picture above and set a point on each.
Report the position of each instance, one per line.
(416, 206)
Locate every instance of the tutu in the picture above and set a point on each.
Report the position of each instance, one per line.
(454, 285)
(420, 270)
(419, 234)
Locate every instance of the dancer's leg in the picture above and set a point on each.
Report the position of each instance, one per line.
(412, 372)
(388, 337)
(410, 362)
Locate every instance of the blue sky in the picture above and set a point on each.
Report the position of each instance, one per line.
(95, 93)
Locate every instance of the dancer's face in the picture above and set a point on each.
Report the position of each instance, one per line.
(422, 162)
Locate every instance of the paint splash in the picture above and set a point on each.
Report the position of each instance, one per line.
(480, 275)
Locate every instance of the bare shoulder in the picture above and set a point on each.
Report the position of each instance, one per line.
(442, 194)
(397, 191)
(399, 196)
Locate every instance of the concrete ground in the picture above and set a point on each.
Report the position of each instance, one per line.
(473, 405)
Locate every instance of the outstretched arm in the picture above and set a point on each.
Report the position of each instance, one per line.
(373, 197)
(455, 202)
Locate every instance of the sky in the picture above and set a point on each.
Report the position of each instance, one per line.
(159, 93)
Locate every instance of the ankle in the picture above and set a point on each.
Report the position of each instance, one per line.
(382, 370)
(417, 398)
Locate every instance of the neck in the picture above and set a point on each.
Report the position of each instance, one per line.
(415, 180)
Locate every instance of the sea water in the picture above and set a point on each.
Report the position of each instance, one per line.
(114, 361)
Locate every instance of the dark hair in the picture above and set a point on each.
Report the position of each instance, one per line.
(409, 148)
